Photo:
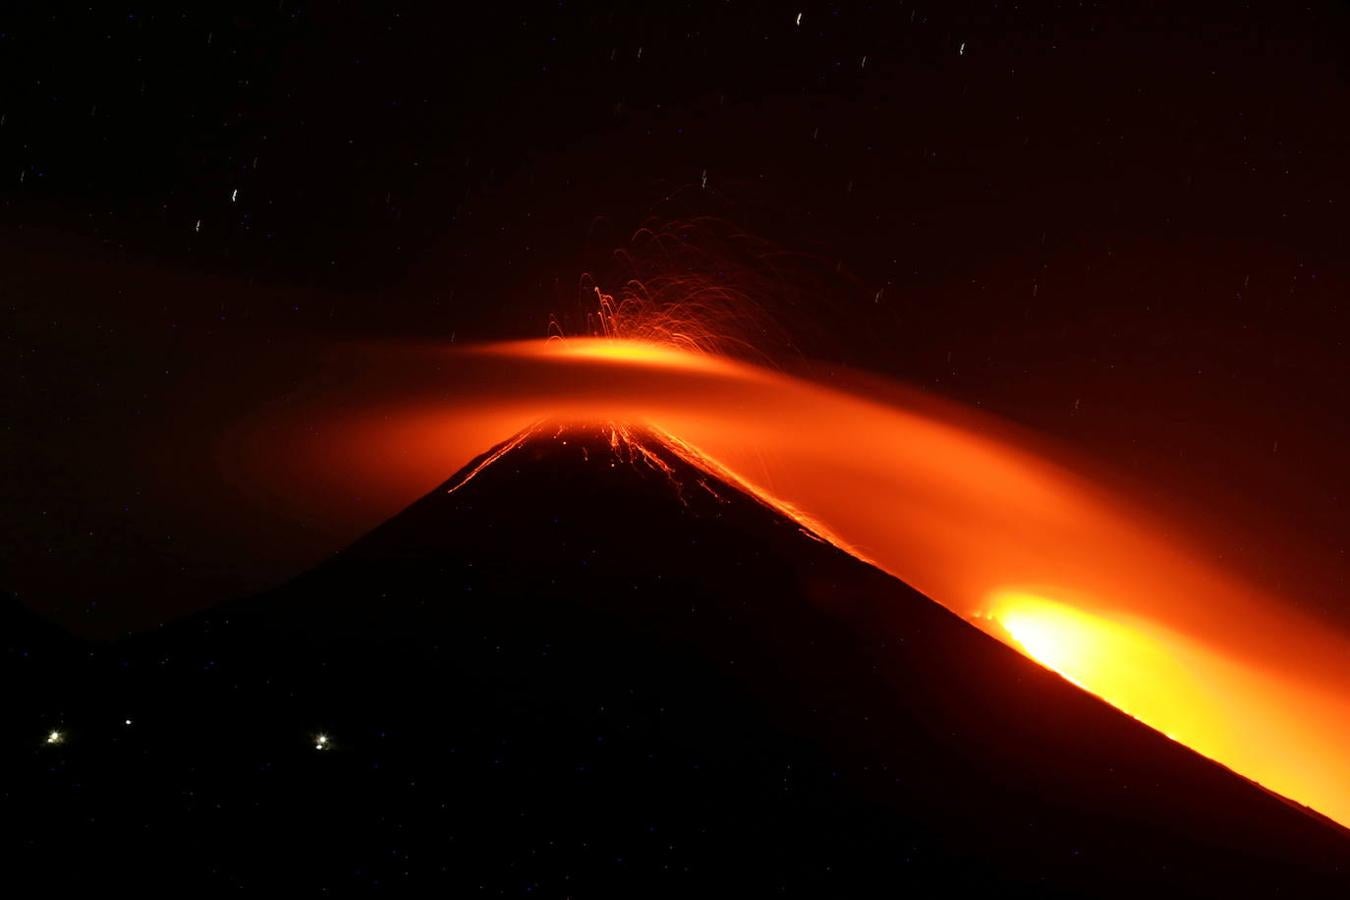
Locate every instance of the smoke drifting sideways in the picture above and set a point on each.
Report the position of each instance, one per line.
(951, 502)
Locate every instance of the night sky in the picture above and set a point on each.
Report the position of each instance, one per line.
(1122, 225)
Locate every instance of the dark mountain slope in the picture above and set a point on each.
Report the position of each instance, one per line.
(572, 677)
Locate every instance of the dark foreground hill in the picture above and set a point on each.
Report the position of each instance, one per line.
(571, 677)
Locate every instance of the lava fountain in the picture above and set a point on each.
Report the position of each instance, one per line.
(950, 502)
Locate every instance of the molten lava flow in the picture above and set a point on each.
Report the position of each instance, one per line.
(1252, 719)
(949, 502)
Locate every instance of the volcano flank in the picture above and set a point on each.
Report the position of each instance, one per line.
(593, 668)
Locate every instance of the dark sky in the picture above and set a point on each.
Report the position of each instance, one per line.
(1121, 224)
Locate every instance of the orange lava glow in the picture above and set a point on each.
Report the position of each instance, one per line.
(1251, 718)
(958, 506)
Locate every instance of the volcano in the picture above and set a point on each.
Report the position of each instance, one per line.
(585, 667)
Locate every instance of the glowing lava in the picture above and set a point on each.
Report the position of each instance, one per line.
(953, 503)
(1250, 719)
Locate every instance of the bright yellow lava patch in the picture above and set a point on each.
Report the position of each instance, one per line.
(1113, 660)
(1176, 685)
(1253, 720)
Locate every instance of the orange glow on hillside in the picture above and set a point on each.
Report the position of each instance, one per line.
(948, 501)
(1249, 719)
